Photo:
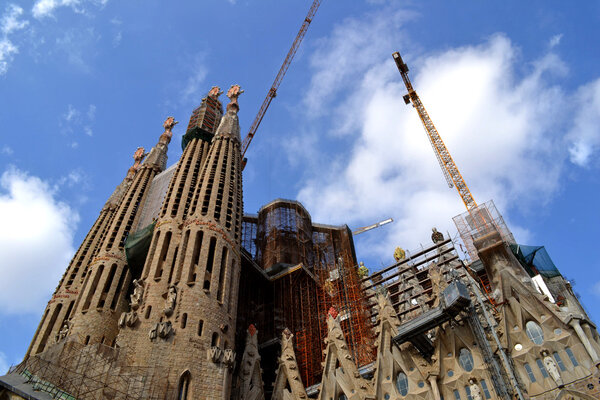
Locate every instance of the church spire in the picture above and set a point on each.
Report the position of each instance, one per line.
(61, 306)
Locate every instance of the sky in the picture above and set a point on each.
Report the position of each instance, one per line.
(513, 88)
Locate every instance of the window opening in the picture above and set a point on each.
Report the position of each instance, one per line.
(534, 332)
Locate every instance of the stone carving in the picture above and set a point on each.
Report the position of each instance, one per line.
(363, 271)
(399, 254)
(165, 329)
(233, 93)
(552, 368)
(228, 357)
(138, 292)
(438, 283)
(215, 92)
(475, 390)
(170, 301)
(64, 331)
(128, 319)
(436, 236)
(153, 332)
(214, 354)
(138, 156)
(169, 123)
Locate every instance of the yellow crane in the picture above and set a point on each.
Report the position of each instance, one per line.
(449, 168)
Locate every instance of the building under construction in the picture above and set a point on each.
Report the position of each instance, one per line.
(176, 293)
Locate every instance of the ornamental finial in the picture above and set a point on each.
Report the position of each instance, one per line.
(233, 93)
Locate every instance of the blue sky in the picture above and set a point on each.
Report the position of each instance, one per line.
(513, 88)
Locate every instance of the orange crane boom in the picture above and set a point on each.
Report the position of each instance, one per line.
(286, 64)
(449, 168)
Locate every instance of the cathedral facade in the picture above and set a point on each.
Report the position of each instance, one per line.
(175, 293)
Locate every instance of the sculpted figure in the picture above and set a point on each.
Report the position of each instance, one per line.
(399, 254)
(552, 368)
(153, 332)
(165, 329)
(363, 271)
(122, 320)
(436, 236)
(233, 93)
(171, 300)
(138, 292)
(475, 390)
(64, 331)
(438, 283)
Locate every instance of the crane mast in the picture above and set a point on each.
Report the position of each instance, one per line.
(449, 168)
(272, 93)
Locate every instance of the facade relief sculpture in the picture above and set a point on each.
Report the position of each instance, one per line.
(171, 300)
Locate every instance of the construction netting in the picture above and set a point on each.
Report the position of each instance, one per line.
(535, 260)
(137, 246)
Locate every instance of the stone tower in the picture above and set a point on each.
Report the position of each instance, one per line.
(103, 292)
(188, 309)
(60, 307)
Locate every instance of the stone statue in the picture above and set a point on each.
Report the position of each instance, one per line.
(153, 332)
(138, 292)
(475, 390)
(363, 271)
(128, 319)
(438, 283)
(64, 331)
(552, 368)
(122, 320)
(436, 236)
(165, 329)
(171, 300)
(399, 254)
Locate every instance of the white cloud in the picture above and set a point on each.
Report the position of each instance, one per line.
(32, 218)
(91, 112)
(7, 150)
(74, 120)
(72, 114)
(45, 8)
(7, 49)
(498, 122)
(11, 21)
(193, 88)
(555, 40)
(585, 131)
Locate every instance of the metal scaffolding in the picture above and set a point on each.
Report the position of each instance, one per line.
(71, 370)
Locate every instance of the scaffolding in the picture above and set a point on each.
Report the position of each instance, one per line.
(311, 268)
(478, 222)
(407, 280)
(71, 370)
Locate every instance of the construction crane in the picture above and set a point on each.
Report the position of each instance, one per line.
(449, 168)
(273, 90)
(368, 228)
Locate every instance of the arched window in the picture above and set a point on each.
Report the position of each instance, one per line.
(465, 359)
(534, 332)
(402, 383)
(183, 387)
(215, 340)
